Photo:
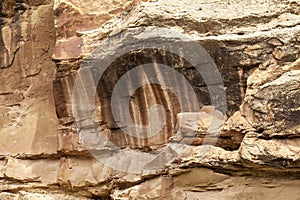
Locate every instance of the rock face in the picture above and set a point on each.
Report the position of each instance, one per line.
(28, 120)
(161, 99)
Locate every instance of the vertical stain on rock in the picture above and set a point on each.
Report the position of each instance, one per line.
(2, 47)
(148, 95)
(1, 40)
(10, 32)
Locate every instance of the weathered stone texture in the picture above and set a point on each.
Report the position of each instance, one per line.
(28, 119)
(249, 151)
(75, 15)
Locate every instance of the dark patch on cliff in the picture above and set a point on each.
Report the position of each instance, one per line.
(1, 39)
(143, 97)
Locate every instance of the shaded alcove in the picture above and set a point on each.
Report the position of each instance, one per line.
(234, 86)
(150, 94)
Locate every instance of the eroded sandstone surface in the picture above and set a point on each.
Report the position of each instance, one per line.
(243, 145)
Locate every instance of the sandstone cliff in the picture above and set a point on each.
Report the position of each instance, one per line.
(81, 82)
